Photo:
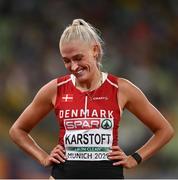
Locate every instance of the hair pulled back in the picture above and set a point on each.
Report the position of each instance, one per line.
(81, 30)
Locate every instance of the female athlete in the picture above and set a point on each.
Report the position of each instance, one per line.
(88, 104)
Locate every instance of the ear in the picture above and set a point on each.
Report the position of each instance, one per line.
(95, 51)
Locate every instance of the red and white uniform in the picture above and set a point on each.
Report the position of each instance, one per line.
(88, 120)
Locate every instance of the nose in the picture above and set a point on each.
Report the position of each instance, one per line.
(74, 66)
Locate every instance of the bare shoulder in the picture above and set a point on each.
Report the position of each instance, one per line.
(48, 91)
(128, 87)
(125, 84)
(50, 86)
(130, 94)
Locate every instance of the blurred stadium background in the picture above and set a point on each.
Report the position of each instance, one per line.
(141, 44)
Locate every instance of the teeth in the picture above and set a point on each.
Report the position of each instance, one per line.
(79, 71)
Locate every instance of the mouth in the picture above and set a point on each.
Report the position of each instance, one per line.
(78, 73)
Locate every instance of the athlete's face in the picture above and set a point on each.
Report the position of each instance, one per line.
(79, 59)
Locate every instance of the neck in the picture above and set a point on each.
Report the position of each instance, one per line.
(93, 83)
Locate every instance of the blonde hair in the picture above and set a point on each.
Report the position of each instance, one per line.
(81, 30)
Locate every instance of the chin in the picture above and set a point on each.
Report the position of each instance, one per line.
(82, 78)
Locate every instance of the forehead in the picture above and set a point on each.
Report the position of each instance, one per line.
(74, 47)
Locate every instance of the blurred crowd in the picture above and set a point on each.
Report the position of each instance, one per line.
(141, 44)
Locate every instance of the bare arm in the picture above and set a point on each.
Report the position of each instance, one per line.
(42, 104)
(134, 100)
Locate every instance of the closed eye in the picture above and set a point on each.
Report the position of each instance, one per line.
(78, 57)
(66, 60)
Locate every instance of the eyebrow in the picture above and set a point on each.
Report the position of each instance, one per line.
(77, 55)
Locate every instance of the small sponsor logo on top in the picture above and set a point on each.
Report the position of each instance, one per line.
(100, 98)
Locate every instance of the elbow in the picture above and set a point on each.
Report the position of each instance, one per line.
(12, 132)
(171, 132)
(168, 132)
(16, 133)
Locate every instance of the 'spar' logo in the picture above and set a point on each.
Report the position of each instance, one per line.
(79, 124)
